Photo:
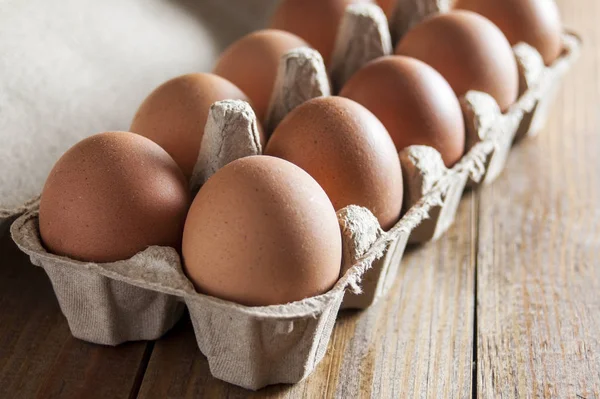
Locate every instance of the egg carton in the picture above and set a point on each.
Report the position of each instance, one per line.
(143, 297)
(8, 215)
(365, 35)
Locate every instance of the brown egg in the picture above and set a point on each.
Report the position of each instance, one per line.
(469, 51)
(535, 22)
(111, 196)
(174, 114)
(262, 232)
(414, 102)
(252, 63)
(388, 6)
(316, 21)
(347, 150)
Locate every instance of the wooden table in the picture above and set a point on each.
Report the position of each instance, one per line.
(506, 304)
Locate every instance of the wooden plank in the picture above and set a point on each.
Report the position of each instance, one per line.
(538, 314)
(39, 357)
(417, 341)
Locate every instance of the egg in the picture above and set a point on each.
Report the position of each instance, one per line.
(535, 22)
(316, 21)
(174, 114)
(388, 7)
(252, 63)
(262, 232)
(413, 101)
(469, 51)
(111, 196)
(347, 150)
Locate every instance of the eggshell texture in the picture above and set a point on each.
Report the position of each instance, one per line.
(469, 51)
(111, 196)
(535, 22)
(316, 21)
(414, 102)
(252, 63)
(174, 114)
(262, 232)
(347, 150)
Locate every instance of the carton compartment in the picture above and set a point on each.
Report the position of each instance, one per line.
(143, 297)
(94, 307)
(260, 351)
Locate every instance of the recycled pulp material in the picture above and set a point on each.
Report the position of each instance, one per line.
(141, 298)
(529, 114)
(408, 13)
(362, 37)
(431, 188)
(229, 119)
(360, 41)
(8, 215)
(300, 77)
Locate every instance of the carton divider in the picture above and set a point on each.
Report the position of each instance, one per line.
(363, 36)
(301, 76)
(231, 132)
(408, 13)
(143, 297)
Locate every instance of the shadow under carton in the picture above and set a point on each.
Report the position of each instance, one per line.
(143, 297)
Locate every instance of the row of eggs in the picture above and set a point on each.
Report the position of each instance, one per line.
(263, 230)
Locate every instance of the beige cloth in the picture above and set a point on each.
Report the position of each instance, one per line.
(72, 68)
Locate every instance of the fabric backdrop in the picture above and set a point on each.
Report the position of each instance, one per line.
(72, 68)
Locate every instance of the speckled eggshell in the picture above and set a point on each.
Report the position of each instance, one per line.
(535, 22)
(252, 62)
(414, 102)
(174, 114)
(347, 150)
(111, 196)
(262, 232)
(469, 51)
(316, 21)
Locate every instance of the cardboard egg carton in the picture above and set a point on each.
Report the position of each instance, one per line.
(143, 297)
(8, 215)
(365, 35)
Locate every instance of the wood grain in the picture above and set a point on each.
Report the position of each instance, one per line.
(527, 248)
(418, 341)
(38, 356)
(538, 314)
